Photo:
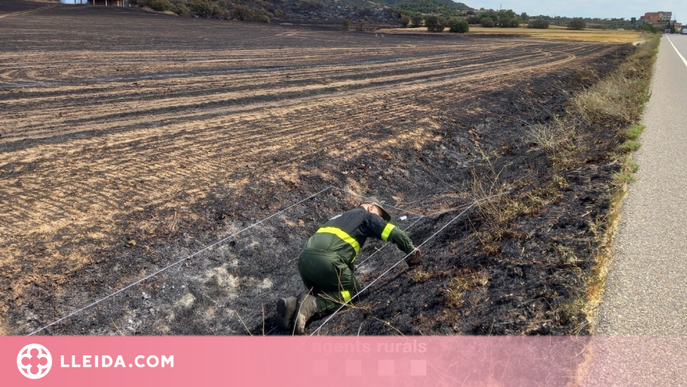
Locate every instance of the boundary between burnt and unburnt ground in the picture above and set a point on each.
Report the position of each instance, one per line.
(633, 78)
(638, 70)
(574, 140)
(217, 214)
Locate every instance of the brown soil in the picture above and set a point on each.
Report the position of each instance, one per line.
(131, 140)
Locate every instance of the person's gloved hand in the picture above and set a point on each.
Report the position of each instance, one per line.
(415, 259)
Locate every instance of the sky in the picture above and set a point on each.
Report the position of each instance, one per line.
(587, 8)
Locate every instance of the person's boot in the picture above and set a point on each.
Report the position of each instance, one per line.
(286, 309)
(306, 308)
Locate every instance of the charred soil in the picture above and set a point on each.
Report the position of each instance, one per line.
(124, 154)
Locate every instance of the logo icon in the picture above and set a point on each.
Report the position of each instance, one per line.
(34, 361)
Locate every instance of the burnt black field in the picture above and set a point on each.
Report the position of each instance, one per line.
(126, 152)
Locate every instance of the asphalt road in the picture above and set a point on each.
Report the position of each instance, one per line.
(642, 322)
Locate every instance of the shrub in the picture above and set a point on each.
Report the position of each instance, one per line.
(487, 22)
(577, 24)
(435, 24)
(457, 25)
(538, 23)
(346, 24)
(416, 20)
(261, 16)
(507, 22)
(649, 28)
(242, 12)
(221, 13)
(157, 5)
(405, 20)
(203, 8)
(179, 7)
(491, 14)
(431, 22)
(474, 19)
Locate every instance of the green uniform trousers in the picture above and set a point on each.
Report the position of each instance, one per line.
(331, 280)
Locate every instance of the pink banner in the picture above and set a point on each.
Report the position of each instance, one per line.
(290, 361)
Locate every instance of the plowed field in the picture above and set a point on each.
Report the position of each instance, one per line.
(131, 140)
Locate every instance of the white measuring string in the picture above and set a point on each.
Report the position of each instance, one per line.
(404, 258)
(385, 205)
(208, 247)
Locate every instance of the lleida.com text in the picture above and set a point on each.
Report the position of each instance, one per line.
(106, 361)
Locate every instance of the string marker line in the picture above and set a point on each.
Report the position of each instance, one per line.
(403, 259)
(94, 303)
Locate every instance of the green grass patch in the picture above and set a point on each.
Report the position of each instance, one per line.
(629, 146)
(634, 167)
(634, 131)
(622, 178)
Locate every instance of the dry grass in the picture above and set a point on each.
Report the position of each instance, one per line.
(559, 139)
(623, 94)
(619, 96)
(553, 32)
(570, 312)
(551, 136)
(419, 276)
(618, 99)
(465, 280)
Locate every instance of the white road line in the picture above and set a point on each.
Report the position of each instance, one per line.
(678, 52)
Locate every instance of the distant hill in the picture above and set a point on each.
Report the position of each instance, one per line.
(359, 12)
(429, 7)
(444, 3)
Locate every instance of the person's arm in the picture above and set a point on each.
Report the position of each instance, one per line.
(400, 239)
(377, 227)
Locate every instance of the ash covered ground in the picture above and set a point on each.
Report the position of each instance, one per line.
(123, 154)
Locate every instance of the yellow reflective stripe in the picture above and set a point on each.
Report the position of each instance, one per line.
(387, 231)
(343, 235)
(346, 295)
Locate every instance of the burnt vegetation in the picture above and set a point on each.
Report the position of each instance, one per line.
(173, 152)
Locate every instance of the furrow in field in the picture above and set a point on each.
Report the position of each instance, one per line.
(227, 99)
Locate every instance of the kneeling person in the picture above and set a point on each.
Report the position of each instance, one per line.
(326, 262)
